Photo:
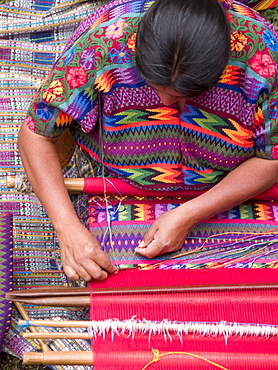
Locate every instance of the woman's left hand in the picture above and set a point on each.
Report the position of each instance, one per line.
(169, 231)
(166, 234)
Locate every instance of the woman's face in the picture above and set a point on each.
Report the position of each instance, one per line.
(168, 95)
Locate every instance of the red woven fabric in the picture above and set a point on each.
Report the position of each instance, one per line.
(210, 304)
(96, 185)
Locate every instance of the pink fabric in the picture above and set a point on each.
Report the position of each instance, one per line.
(239, 305)
(113, 186)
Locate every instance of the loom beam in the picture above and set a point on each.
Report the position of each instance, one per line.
(84, 358)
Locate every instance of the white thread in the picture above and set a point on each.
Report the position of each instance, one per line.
(168, 329)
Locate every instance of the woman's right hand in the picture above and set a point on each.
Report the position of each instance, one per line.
(82, 255)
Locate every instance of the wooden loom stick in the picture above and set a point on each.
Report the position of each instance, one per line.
(85, 358)
(72, 184)
(56, 335)
(80, 297)
(101, 328)
(115, 186)
(23, 313)
(65, 292)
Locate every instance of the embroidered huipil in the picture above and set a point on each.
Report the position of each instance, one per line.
(96, 83)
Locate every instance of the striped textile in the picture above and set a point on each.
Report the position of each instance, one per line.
(265, 4)
(6, 273)
(32, 34)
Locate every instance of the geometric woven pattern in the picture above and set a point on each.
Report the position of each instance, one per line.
(32, 35)
(6, 245)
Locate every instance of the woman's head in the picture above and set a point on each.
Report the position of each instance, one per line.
(183, 44)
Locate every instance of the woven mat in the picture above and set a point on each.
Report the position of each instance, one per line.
(5, 274)
(32, 34)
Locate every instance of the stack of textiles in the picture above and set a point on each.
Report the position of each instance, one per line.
(6, 273)
(32, 34)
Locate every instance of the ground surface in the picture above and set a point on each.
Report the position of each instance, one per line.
(8, 362)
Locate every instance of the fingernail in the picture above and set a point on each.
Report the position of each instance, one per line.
(116, 272)
(141, 245)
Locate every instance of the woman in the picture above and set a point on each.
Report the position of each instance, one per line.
(185, 109)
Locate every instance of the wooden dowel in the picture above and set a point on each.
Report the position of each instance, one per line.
(10, 181)
(56, 335)
(24, 314)
(48, 292)
(85, 358)
(73, 185)
(232, 360)
(56, 324)
(81, 301)
(127, 326)
(82, 292)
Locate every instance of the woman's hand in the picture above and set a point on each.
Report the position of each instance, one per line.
(167, 233)
(82, 255)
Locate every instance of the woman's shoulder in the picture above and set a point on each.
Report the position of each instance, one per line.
(106, 13)
(254, 42)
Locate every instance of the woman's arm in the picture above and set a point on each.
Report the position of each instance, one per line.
(169, 231)
(81, 254)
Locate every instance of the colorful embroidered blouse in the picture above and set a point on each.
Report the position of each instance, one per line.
(142, 141)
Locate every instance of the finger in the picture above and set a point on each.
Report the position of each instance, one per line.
(148, 237)
(95, 272)
(71, 273)
(152, 250)
(104, 262)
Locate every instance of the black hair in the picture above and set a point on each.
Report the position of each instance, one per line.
(183, 44)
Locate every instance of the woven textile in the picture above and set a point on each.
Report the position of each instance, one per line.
(144, 142)
(32, 35)
(5, 273)
(243, 237)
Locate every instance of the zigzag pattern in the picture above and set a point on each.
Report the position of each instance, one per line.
(210, 124)
(212, 146)
(200, 176)
(133, 117)
(132, 221)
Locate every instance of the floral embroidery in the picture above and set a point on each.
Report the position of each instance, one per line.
(116, 29)
(263, 64)
(44, 111)
(274, 152)
(55, 89)
(100, 65)
(30, 123)
(238, 41)
(76, 77)
(270, 41)
(131, 42)
(87, 60)
(120, 55)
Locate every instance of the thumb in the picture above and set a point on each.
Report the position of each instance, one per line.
(148, 237)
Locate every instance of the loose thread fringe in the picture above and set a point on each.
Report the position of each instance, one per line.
(167, 328)
(158, 356)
